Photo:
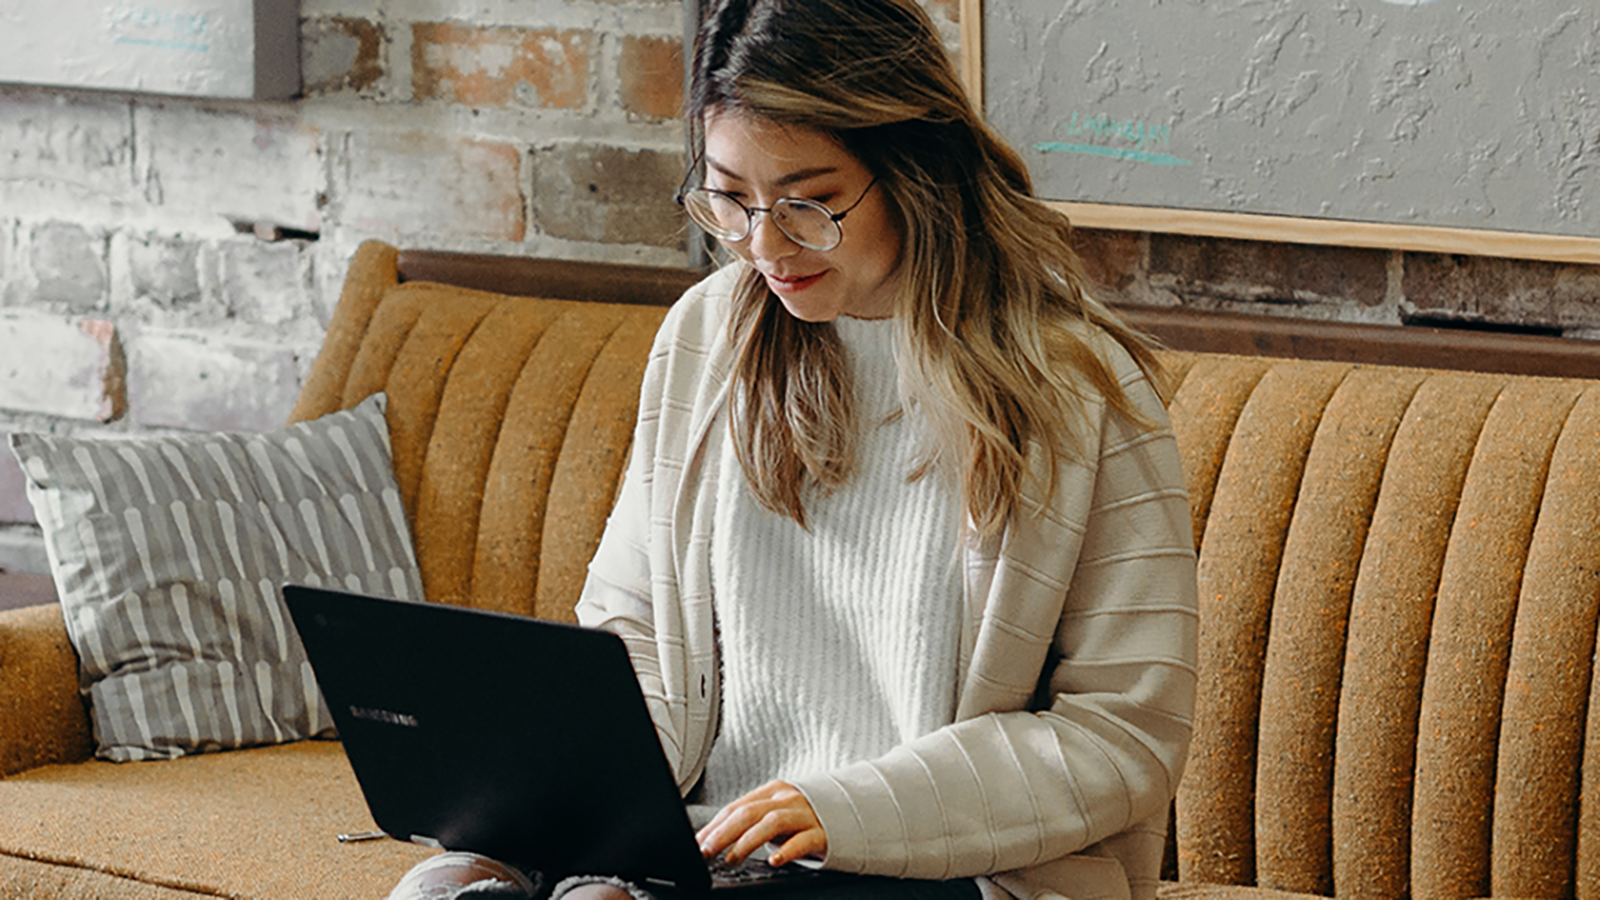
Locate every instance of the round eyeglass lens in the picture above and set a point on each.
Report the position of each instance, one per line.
(722, 216)
(808, 224)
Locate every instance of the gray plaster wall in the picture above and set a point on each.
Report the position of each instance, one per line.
(1468, 114)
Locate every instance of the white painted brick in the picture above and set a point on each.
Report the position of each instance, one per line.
(264, 282)
(8, 239)
(68, 367)
(164, 270)
(207, 382)
(69, 266)
(72, 147)
(423, 183)
(253, 168)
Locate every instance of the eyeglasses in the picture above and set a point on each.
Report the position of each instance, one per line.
(806, 222)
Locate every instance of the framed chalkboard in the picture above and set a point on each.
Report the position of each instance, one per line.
(1409, 124)
(238, 49)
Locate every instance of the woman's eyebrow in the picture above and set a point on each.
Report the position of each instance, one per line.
(794, 177)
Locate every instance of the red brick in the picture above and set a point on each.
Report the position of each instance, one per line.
(613, 195)
(1216, 271)
(501, 66)
(59, 366)
(415, 183)
(651, 75)
(1113, 260)
(1509, 291)
(339, 53)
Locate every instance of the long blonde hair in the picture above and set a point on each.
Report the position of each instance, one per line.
(991, 306)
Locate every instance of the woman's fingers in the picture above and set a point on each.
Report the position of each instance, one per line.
(773, 811)
(811, 842)
(776, 824)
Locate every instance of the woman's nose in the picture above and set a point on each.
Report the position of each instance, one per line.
(767, 240)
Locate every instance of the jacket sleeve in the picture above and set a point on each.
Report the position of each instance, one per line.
(632, 587)
(616, 594)
(1103, 583)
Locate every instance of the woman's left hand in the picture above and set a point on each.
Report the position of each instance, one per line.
(775, 811)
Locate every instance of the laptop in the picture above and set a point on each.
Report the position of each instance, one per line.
(523, 740)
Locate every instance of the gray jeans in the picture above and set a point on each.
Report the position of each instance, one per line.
(466, 876)
(863, 887)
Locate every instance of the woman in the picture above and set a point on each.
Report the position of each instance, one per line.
(902, 556)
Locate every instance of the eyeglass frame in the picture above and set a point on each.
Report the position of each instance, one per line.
(750, 212)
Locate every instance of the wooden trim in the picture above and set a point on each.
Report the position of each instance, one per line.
(1333, 232)
(1180, 328)
(559, 279)
(971, 12)
(1210, 331)
(1289, 229)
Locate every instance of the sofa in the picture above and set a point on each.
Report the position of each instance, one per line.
(1399, 571)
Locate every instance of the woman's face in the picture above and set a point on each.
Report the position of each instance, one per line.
(759, 163)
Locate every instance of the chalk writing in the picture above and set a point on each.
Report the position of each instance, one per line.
(1138, 133)
(136, 23)
(1143, 136)
(1159, 159)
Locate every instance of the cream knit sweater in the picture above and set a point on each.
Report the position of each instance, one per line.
(838, 640)
(1076, 662)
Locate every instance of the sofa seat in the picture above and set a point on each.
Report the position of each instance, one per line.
(259, 823)
(1399, 573)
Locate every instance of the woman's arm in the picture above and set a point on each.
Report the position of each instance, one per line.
(632, 588)
(1102, 748)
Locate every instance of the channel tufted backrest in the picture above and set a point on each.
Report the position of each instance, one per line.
(510, 419)
(1399, 579)
(1399, 571)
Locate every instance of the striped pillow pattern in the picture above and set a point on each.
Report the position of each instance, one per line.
(168, 552)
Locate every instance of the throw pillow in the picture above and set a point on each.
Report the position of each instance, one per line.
(168, 552)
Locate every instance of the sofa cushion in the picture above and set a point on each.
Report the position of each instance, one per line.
(259, 823)
(511, 418)
(168, 552)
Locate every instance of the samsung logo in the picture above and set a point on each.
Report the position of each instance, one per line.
(384, 716)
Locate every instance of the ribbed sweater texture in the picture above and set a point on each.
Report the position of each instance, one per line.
(839, 642)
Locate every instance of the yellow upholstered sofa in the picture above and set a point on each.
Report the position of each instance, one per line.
(1399, 569)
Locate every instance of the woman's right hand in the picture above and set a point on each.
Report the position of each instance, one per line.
(775, 811)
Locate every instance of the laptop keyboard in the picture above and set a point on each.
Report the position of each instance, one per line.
(752, 871)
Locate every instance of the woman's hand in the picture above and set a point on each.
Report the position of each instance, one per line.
(776, 810)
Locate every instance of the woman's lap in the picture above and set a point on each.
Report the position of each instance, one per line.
(862, 888)
(467, 876)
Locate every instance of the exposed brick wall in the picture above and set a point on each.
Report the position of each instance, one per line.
(1342, 283)
(135, 293)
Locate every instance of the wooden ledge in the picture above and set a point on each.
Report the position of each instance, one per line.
(1180, 328)
(519, 276)
(1393, 345)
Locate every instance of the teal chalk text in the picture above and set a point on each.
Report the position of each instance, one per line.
(1143, 136)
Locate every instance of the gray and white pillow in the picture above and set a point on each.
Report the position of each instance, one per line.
(168, 552)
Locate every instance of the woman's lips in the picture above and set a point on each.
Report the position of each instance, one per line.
(789, 284)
